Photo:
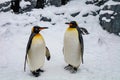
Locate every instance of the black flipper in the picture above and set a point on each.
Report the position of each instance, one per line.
(81, 42)
(47, 54)
(84, 31)
(28, 47)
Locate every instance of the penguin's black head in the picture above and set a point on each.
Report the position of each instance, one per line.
(72, 24)
(37, 29)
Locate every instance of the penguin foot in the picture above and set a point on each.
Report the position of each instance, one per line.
(39, 70)
(68, 67)
(73, 70)
(35, 73)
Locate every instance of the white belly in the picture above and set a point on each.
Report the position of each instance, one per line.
(36, 54)
(72, 51)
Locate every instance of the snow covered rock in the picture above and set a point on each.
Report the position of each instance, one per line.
(58, 3)
(45, 19)
(4, 7)
(96, 2)
(24, 4)
(55, 2)
(109, 14)
(110, 17)
(117, 0)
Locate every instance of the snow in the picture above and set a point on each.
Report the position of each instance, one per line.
(109, 3)
(112, 17)
(105, 19)
(23, 4)
(2, 1)
(106, 11)
(101, 55)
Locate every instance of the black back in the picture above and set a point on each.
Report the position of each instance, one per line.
(28, 47)
(81, 42)
(30, 41)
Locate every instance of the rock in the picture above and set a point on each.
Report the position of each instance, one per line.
(63, 2)
(117, 0)
(89, 2)
(100, 2)
(75, 14)
(115, 8)
(4, 7)
(40, 4)
(112, 26)
(116, 24)
(106, 25)
(59, 13)
(53, 23)
(94, 13)
(96, 2)
(29, 7)
(15, 6)
(57, 3)
(85, 15)
(45, 19)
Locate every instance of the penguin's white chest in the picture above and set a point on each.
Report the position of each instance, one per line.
(72, 51)
(36, 54)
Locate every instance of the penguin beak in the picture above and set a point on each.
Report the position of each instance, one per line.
(70, 24)
(67, 23)
(41, 28)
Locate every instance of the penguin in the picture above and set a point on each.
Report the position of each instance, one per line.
(36, 51)
(73, 46)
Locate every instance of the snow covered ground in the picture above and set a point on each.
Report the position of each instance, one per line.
(102, 50)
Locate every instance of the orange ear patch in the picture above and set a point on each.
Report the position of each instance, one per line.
(32, 29)
(70, 24)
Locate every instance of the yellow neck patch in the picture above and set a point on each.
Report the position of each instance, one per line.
(71, 29)
(38, 36)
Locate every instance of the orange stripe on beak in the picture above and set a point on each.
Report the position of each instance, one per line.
(70, 24)
(41, 28)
